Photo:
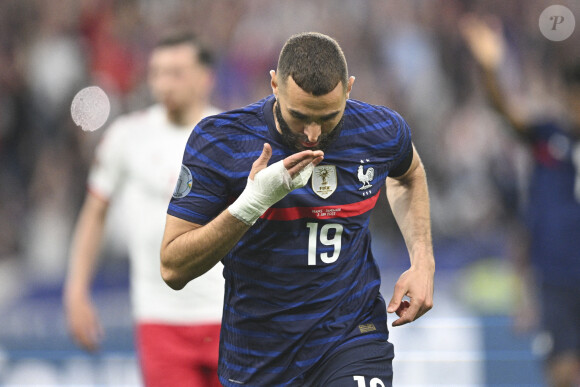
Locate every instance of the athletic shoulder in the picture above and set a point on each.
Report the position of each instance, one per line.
(363, 114)
(379, 128)
(138, 120)
(372, 112)
(224, 139)
(223, 125)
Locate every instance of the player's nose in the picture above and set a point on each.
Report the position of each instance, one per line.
(313, 131)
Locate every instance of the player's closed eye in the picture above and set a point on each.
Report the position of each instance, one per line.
(306, 119)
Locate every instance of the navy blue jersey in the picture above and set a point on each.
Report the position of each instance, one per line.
(302, 283)
(554, 204)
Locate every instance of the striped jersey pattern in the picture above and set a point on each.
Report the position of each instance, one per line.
(553, 205)
(302, 283)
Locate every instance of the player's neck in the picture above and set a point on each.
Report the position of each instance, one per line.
(188, 117)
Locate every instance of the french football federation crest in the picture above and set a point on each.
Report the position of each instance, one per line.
(324, 180)
(365, 177)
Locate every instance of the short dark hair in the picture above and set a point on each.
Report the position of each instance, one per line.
(314, 61)
(176, 38)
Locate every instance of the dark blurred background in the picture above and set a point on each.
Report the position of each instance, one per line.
(407, 55)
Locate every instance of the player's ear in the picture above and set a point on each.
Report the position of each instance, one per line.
(349, 86)
(274, 83)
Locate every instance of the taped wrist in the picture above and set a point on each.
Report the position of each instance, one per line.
(268, 187)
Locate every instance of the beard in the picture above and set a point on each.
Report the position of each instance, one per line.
(294, 140)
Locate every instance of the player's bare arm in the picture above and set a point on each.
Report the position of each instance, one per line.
(409, 200)
(188, 250)
(81, 314)
(487, 45)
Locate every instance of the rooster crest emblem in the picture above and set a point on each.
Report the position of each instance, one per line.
(324, 180)
(365, 177)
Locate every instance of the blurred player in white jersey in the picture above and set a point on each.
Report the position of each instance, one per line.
(177, 332)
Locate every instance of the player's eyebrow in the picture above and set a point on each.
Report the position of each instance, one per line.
(304, 117)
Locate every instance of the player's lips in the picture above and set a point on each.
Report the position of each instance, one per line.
(309, 144)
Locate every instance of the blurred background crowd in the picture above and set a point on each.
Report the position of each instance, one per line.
(407, 55)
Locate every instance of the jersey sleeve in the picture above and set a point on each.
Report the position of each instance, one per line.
(108, 168)
(201, 192)
(404, 155)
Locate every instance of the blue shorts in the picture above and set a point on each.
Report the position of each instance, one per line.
(367, 364)
(560, 318)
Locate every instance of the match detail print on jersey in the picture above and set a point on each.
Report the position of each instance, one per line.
(324, 212)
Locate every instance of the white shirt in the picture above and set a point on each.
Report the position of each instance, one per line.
(141, 153)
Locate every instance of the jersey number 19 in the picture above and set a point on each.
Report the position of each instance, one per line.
(330, 235)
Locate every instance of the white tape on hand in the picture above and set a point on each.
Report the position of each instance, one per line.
(302, 177)
(268, 187)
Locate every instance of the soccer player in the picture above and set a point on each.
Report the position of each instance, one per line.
(281, 193)
(177, 333)
(553, 207)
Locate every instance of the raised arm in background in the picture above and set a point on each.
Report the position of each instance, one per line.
(487, 45)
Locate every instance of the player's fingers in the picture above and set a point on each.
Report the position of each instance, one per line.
(296, 163)
(297, 158)
(82, 335)
(423, 309)
(262, 161)
(408, 315)
(294, 170)
(264, 156)
(88, 342)
(93, 336)
(98, 334)
(402, 308)
(398, 295)
(317, 160)
(87, 330)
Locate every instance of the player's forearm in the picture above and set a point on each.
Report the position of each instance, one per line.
(409, 201)
(189, 250)
(498, 100)
(85, 247)
(186, 255)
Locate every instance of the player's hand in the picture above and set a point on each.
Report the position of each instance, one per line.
(484, 39)
(417, 284)
(294, 163)
(83, 322)
(267, 184)
(526, 314)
